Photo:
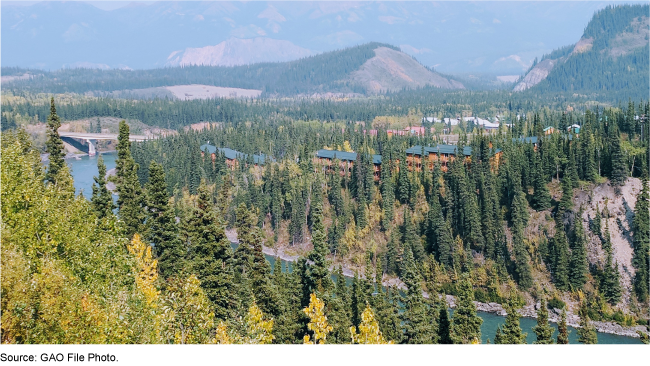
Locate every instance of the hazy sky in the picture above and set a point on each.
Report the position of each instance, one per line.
(102, 4)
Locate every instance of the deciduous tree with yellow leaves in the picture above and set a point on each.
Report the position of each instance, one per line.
(317, 321)
(369, 332)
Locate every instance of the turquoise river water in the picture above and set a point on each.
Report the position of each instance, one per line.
(85, 168)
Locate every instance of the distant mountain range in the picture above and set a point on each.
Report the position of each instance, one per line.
(611, 55)
(372, 68)
(478, 37)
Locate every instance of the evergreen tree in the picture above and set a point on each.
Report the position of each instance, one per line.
(619, 165)
(387, 195)
(466, 325)
(543, 329)
(54, 145)
(316, 277)
(566, 202)
(7, 123)
(641, 243)
(212, 254)
(563, 332)
(403, 182)
(560, 265)
(587, 332)
(511, 332)
(578, 264)
(611, 286)
(522, 258)
(541, 197)
(411, 239)
(130, 197)
(444, 325)
(102, 200)
(161, 221)
(418, 327)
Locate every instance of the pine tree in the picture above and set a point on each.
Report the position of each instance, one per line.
(466, 325)
(130, 197)
(54, 145)
(212, 254)
(563, 332)
(543, 329)
(587, 332)
(578, 264)
(511, 332)
(403, 182)
(102, 200)
(566, 202)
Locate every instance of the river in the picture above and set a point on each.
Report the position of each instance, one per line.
(85, 168)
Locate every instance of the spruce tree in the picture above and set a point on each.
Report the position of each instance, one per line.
(541, 197)
(54, 145)
(560, 258)
(444, 325)
(161, 221)
(419, 328)
(522, 257)
(587, 332)
(619, 165)
(7, 123)
(102, 200)
(511, 332)
(316, 278)
(387, 195)
(563, 332)
(578, 266)
(130, 197)
(411, 239)
(641, 243)
(543, 329)
(466, 325)
(212, 254)
(611, 287)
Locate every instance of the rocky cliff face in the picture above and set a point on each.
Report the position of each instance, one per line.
(536, 74)
(239, 52)
(392, 70)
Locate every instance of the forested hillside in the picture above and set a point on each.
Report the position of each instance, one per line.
(611, 57)
(327, 72)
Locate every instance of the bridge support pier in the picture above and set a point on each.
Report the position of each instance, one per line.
(91, 148)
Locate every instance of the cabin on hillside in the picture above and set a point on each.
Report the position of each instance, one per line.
(346, 160)
(549, 130)
(418, 155)
(233, 156)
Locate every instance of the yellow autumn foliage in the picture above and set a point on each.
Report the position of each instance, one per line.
(147, 269)
(369, 332)
(317, 321)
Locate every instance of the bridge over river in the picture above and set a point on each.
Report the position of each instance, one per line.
(89, 138)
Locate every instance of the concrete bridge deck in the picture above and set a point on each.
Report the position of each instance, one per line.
(101, 136)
